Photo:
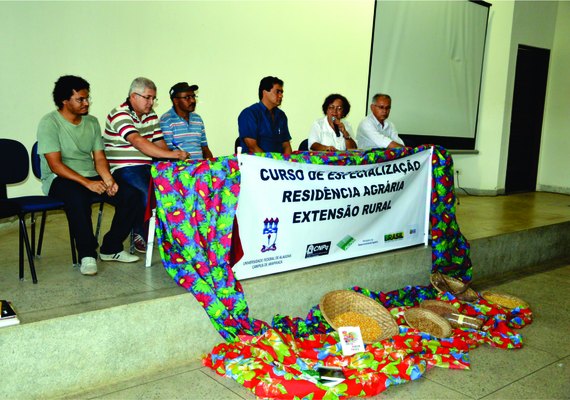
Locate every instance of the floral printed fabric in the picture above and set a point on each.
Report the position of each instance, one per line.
(196, 205)
(278, 365)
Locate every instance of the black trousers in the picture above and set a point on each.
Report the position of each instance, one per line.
(78, 200)
(138, 178)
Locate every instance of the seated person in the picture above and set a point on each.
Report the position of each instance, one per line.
(75, 170)
(132, 139)
(182, 128)
(263, 126)
(330, 133)
(375, 131)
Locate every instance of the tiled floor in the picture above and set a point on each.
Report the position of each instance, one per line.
(539, 370)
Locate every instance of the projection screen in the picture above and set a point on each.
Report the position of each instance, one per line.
(428, 56)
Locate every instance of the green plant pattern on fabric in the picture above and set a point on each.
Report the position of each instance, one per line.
(196, 205)
(278, 365)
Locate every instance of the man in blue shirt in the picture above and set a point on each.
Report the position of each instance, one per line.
(263, 126)
(181, 127)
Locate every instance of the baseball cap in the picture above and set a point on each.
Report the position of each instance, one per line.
(182, 87)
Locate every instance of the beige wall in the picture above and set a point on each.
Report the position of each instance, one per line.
(554, 167)
(226, 47)
(317, 47)
(533, 23)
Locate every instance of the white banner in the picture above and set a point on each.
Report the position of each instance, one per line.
(293, 215)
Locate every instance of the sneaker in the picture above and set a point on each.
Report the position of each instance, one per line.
(88, 266)
(140, 243)
(122, 256)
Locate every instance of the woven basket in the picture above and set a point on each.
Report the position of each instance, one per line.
(443, 283)
(427, 321)
(504, 300)
(341, 301)
(439, 307)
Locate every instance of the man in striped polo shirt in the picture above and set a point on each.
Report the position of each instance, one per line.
(132, 139)
(182, 128)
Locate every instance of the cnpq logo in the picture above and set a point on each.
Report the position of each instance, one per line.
(318, 249)
(393, 236)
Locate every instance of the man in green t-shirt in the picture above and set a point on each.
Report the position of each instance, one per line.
(75, 170)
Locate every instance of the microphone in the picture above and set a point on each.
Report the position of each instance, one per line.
(335, 127)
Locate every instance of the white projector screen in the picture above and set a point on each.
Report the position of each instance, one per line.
(428, 56)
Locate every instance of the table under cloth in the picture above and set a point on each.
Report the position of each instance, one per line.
(198, 242)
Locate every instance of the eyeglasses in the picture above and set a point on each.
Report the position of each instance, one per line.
(81, 100)
(382, 107)
(148, 97)
(335, 108)
(190, 96)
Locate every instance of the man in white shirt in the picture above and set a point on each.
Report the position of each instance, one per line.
(375, 131)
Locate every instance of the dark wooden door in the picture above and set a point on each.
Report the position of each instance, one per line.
(526, 119)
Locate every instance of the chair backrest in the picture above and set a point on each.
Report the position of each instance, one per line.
(14, 164)
(304, 145)
(8, 209)
(237, 143)
(36, 168)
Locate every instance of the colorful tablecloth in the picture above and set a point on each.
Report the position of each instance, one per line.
(196, 206)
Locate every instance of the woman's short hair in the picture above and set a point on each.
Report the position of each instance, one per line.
(335, 96)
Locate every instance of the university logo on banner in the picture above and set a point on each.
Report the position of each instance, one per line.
(294, 215)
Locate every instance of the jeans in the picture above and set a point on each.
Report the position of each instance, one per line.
(138, 178)
(78, 200)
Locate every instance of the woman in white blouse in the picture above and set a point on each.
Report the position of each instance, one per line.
(331, 133)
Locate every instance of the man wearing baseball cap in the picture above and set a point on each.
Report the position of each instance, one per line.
(181, 127)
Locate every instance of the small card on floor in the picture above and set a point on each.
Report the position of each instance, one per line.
(350, 340)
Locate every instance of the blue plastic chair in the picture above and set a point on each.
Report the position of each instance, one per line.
(304, 145)
(9, 208)
(14, 169)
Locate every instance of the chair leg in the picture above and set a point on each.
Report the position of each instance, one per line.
(33, 230)
(26, 240)
(150, 239)
(41, 235)
(21, 251)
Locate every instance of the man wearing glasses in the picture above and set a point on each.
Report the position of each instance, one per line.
(182, 128)
(263, 126)
(132, 139)
(375, 131)
(75, 170)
